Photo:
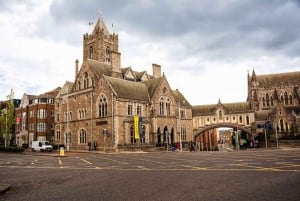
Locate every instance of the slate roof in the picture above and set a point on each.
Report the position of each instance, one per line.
(100, 68)
(276, 80)
(179, 97)
(230, 108)
(128, 89)
(152, 85)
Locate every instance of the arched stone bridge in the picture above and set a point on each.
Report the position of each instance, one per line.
(200, 131)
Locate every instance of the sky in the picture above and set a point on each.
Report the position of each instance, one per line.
(205, 47)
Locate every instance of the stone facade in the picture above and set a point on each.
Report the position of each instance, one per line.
(100, 106)
(272, 107)
(276, 101)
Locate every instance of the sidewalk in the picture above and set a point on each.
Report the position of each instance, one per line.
(4, 188)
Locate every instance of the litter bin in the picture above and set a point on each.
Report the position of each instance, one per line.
(62, 151)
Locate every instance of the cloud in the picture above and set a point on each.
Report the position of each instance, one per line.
(208, 47)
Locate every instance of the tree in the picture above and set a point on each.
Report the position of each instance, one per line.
(7, 118)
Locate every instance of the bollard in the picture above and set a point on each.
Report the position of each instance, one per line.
(61, 151)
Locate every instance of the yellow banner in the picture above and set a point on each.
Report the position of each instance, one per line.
(136, 128)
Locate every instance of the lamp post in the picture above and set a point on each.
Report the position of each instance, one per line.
(167, 141)
(276, 134)
(5, 135)
(179, 117)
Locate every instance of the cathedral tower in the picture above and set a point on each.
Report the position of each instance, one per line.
(102, 46)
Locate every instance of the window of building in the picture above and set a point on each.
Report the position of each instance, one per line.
(264, 101)
(57, 136)
(68, 137)
(68, 116)
(281, 125)
(247, 120)
(102, 106)
(267, 99)
(183, 133)
(161, 106)
(291, 100)
(91, 52)
(139, 110)
(286, 99)
(220, 115)
(31, 114)
(241, 119)
(130, 109)
(41, 114)
(86, 80)
(82, 113)
(23, 119)
(41, 127)
(107, 54)
(182, 113)
(142, 137)
(168, 106)
(82, 136)
(79, 85)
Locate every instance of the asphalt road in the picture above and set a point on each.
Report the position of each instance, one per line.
(244, 175)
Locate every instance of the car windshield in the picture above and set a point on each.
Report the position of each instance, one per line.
(47, 143)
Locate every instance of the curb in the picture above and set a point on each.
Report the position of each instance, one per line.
(4, 188)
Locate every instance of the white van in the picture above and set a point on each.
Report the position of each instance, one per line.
(41, 146)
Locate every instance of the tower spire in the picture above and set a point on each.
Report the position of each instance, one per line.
(100, 26)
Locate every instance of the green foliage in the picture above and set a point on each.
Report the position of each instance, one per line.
(7, 119)
(12, 149)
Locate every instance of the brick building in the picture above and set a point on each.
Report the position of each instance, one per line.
(35, 118)
(117, 107)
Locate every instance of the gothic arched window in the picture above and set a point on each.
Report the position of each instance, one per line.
(86, 80)
(161, 106)
(91, 52)
(102, 106)
(264, 101)
(220, 115)
(291, 100)
(286, 99)
(267, 99)
(107, 54)
(168, 107)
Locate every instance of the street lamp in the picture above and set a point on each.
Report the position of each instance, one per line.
(180, 130)
(167, 141)
(5, 136)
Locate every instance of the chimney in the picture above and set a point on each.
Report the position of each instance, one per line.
(76, 67)
(156, 70)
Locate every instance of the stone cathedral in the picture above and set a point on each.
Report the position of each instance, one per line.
(116, 107)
